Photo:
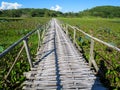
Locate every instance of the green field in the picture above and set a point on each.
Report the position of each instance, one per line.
(107, 59)
(11, 30)
(98, 26)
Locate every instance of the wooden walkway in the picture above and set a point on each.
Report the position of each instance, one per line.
(60, 66)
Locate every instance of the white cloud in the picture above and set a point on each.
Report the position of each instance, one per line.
(7, 5)
(56, 8)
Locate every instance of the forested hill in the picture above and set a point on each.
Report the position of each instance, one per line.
(102, 11)
(99, 11)
(30, 12)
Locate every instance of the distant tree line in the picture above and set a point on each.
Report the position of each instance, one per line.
(102, 11)
(99, 11)
(30, 12)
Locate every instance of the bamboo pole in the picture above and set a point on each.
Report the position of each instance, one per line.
(28, 52)
(14, 62)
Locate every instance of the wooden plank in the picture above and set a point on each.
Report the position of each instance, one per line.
(46, 83)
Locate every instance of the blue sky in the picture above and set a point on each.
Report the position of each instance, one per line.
(62, 5)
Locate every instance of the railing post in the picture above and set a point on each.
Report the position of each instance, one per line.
(39, 39)
(91, 59)
(28, 52)
(45, 27)
(43, 32)
(63, 27)
(74, 36)
(66, 29)
(91, 52)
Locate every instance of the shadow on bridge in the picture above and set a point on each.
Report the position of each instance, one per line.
(48, 41)
(47, 54)
(100, 78)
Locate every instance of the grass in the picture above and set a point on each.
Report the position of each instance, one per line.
(107, 59)
(97, 26)
(11, 30)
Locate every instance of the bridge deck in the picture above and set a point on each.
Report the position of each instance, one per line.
(60, 66)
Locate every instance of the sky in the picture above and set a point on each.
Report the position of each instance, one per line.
(57, 5)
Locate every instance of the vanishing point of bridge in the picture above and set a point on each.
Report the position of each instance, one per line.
(60, 66)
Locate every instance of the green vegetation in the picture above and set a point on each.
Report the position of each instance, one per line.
(99, 11)
(102, 11)
(98, 26)
(107, 59)
(30, 13)
(11, 30)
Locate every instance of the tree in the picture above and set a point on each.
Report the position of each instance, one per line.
(47, 14)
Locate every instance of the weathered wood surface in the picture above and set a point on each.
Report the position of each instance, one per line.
(60, 67)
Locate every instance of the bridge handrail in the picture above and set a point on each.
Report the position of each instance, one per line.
(91, 58)
(96, 39)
